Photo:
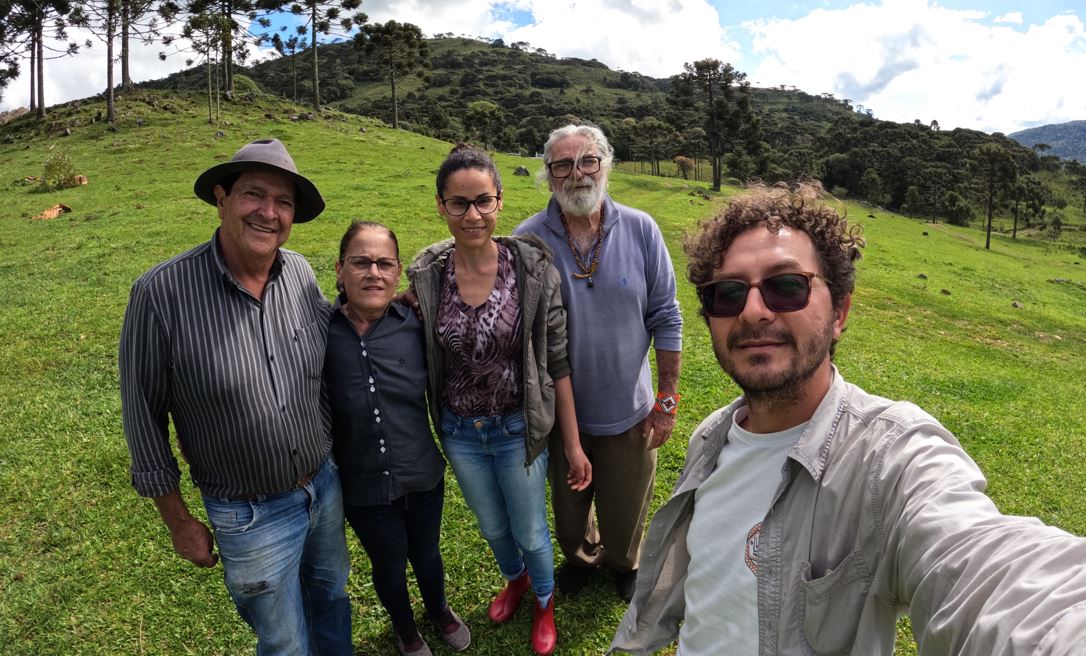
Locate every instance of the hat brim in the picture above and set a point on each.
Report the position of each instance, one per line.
(308, 203)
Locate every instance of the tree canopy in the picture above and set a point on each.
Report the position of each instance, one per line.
(399, 50)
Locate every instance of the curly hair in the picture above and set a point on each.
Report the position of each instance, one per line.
(800, 207)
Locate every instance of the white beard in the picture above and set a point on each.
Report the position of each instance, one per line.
(580, 201)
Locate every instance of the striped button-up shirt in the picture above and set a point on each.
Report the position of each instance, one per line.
(240, 377)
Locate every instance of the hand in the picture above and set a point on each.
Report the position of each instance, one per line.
(657, 428)
(580, 469)
(194, 542)
(411, 299)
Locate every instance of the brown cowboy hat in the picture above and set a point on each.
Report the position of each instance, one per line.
(272, 155)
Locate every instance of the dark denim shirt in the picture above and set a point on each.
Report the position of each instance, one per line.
(377, 389)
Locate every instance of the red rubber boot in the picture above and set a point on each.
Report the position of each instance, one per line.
(544, 633)
(505, 604)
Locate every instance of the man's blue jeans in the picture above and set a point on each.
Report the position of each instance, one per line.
(509, 500)
(285, 564)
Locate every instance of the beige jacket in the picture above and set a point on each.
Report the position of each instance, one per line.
(879, 513)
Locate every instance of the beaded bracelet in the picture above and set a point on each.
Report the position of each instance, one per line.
(667, 403)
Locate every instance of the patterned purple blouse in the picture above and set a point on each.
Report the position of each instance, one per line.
(482, 344)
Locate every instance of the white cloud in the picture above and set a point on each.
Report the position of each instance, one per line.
(908, 59)
(84, 74)
(652, 38)
(647, 36)
(468, 17)
(904, 59)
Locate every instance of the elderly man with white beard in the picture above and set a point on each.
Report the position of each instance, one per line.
(618, 286)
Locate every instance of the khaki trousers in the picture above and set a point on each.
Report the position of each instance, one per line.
(623, 473)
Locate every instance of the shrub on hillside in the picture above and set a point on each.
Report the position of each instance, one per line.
(1055, 225)
(244, 84)
(58, 172)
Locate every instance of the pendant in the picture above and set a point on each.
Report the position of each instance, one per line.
(589, 281)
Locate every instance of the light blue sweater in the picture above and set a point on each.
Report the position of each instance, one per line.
(631, 305)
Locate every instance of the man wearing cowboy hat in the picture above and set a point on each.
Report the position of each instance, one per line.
(228, 340)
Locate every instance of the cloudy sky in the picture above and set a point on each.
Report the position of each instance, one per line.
(995, 65)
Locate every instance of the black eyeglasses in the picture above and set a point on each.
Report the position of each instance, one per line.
(784, 292)
(563, 168)
(362, 264)
(459, 206)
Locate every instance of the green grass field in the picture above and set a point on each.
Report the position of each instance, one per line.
(86, 566)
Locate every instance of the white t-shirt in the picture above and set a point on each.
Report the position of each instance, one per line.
(721, 583)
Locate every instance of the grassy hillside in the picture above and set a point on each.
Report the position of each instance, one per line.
(512, 95)
(86, 566)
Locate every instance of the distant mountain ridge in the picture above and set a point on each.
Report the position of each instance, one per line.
(1066, 140)
(509, 98)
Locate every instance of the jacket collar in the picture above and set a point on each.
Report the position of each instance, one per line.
(528, 249)
(812, 449)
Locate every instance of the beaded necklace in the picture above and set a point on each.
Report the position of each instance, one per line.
(587, 267)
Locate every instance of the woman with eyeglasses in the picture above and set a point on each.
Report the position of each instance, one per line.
(496, 344)
(390, 468)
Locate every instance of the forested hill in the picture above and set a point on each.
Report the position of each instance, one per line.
(517, 94)
(1067, 140)
(508, 97)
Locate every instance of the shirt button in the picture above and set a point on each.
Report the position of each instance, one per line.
(376, 411)
(363, 352)
(378, 420)
(382, 449)
(371, 380)
(372, 388)
(385, 473)
(380, 441)
(478, 424)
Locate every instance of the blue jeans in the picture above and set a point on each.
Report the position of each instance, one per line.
(509, 500)
(407, 529)
(285, 563)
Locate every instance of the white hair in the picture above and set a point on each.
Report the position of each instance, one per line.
(593, 134)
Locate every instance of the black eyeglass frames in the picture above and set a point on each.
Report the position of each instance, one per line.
(784, 292)
(460, 206)
(563, 168)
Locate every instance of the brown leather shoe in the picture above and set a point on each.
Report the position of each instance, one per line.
(544, 633)
(505, 604)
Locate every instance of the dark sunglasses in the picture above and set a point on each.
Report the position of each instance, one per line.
(784, 292)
